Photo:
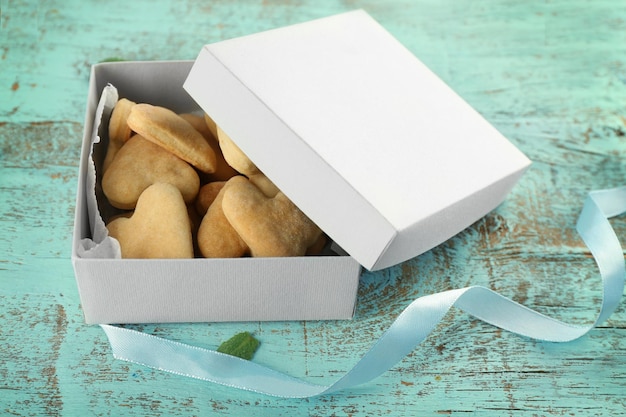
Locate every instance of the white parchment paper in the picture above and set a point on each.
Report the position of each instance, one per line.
(101, 245)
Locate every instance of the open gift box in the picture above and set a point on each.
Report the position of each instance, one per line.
(381, 154)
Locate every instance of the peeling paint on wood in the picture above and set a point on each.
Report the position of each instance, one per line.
(550, 75)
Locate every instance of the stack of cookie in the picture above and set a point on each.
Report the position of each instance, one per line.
(187, 190)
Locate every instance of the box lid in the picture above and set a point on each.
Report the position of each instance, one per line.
(358, 133)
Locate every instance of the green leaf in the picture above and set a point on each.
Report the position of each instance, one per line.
(242, 345)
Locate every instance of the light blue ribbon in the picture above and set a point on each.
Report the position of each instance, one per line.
(411, 327)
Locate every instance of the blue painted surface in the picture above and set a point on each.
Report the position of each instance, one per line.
(551, 75)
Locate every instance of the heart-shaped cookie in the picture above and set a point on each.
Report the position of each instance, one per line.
(139, 164)
(158, 228)
(264, 184)
(207, 195)
(211, 124)
(199, 124)
(119, 131)
(269, 226)
(216, 237)
(167, 129)
(223, 171)
(234, 155)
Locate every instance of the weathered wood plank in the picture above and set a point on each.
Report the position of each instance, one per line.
(551, 75)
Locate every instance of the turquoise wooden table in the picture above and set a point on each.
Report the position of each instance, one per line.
(550, 75)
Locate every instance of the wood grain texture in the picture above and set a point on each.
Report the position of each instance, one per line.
(550, 75)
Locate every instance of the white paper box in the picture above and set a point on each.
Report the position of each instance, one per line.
(368, 142)
(190, 290)
(354, 129)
